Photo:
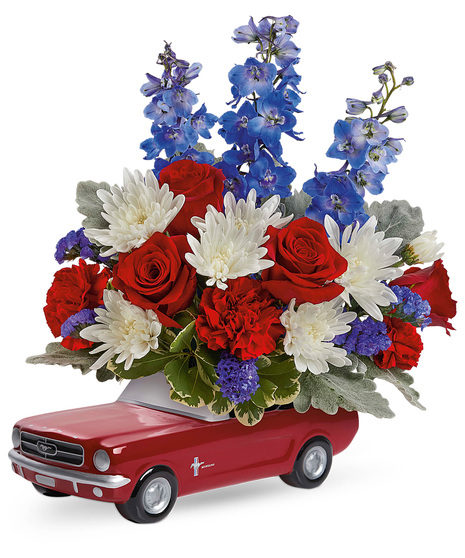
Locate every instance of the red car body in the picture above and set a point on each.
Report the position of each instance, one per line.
(201, 454)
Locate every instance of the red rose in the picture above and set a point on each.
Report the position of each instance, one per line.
(241, 319)
(432, 284)
(73, 289)
(157, 277)
(406, 346)
(305, 263)
(201, 184)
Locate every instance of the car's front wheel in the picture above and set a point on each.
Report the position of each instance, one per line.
(312, 465)
(153, 498)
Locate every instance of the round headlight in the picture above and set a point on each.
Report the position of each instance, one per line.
(101, 460)
(16, 437)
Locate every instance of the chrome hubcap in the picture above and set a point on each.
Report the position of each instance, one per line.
(315, 462)
(157, 495)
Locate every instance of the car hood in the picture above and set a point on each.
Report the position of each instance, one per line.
(110, 422)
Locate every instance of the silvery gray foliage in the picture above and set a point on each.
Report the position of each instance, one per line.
(397, 218)
(55, 353)
(345, 387)
(297, 204)
(397, 377)
(90, 205)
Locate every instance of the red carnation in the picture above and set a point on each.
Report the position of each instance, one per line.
(201, 184)
(406, 346)
(432, 284)
(242, 319)
(74, 289)
(157, 277)
(305, 263)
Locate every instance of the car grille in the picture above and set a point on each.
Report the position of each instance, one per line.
(51, 449)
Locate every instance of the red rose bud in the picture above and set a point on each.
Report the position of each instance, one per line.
(432, 284)
(157, 277)
(74, 289)
(405, 349)
(241, 319)
(305, 263)
(201, 184)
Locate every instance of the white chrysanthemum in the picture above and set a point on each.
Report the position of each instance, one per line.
(226, 252)
(309, 332)
(369, 259)
(134, 212)
(247, 215)
(424, 249)
(124, 329)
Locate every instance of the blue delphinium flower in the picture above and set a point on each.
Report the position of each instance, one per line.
(238, 379)
(368, 131)
(334, 194)
(235, 181)
(235, 125)
(266, 178)
(76, 245)
(365, 179)
(274, 119)
(410, 307)
(202, 121)
(242, 154)
(343, 147)
(253, 76)
(379, 157)
(366, 337)
(77, 322)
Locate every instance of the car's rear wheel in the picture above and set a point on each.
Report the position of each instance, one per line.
(48, 491)
(312, 465)
(153, 498)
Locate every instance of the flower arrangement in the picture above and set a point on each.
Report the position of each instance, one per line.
(243, 291)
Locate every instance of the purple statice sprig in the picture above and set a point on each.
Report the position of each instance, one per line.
(77, 322)
(238, 379)
(366, 337)
(410, 307)
(76, 245)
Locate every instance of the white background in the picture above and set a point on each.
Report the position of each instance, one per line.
(71, 110)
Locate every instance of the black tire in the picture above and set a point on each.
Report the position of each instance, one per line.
(312, 465)
(48, 491)
(153, 498)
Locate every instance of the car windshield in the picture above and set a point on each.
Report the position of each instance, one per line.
(154, 392)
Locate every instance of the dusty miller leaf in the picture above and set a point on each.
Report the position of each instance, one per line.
(398, 378)
(341, 387)
(397, 218)
(55, 353)
(297, 204)
(90, 205)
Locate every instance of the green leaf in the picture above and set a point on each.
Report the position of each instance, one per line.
(146, 366)
(55, 353)
(207, 372)
(248, 413)
(103, 374)
(287, 386)
(187, 382)
(220, 405)
(341, 387)
(397, 218)
(90, 205)
(263, 397)
(184, 318)
(284, 366)
(297, 204)
(183, 340)
(397, 377)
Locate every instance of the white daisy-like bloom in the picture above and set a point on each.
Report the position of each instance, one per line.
(124, 329)
(309, 332)
(247, 215)
(134, 212)
(225, 251)
(369, 259)
(424, 249)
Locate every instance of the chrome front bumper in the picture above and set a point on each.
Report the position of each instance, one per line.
(102, 481)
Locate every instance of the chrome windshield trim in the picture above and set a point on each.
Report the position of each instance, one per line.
(104, 481)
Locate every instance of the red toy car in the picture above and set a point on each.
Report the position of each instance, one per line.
(144, 450)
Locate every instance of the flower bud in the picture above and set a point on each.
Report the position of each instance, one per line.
(377, 96)
(423, 249)
(407, 80)
(354, 106)
(390, 66)
(377, 70)
(396, 115)
(383, 78)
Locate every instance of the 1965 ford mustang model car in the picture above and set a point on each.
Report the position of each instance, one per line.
(144, 450)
